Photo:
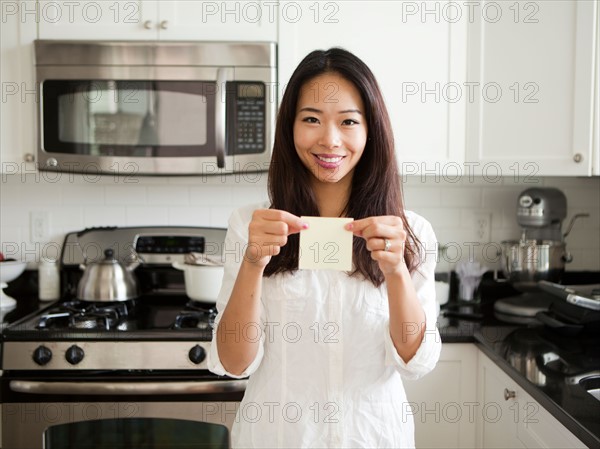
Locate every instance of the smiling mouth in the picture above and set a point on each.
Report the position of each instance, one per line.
(329, 159)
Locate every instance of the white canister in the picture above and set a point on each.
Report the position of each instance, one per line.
(48, 280)
(442, 292)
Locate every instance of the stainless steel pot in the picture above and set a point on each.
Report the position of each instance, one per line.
(530, 355)
(526, 262)
(108, 280)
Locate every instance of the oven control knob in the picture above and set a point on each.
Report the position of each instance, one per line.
(74, 355)
(197, 354)
(42, 355)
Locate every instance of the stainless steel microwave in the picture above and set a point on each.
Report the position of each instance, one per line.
(156, 108)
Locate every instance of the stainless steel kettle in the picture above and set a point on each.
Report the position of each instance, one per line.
(108, 280)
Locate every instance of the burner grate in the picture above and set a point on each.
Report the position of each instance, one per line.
(196, 316)
(85, 315)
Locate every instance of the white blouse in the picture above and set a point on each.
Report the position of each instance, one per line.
(326, 373)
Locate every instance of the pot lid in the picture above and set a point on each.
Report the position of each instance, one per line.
(203, 259)
(109, 257)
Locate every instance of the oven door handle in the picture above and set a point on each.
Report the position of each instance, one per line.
(223, 75)
(128, 388)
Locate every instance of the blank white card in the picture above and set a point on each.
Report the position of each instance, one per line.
(325, 245)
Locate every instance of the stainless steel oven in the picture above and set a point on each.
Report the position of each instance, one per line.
(156, 108)
(32, 406)
(77, 361)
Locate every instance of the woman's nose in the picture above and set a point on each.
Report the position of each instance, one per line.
(330, 138)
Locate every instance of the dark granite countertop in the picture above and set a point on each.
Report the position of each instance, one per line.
(558, 360)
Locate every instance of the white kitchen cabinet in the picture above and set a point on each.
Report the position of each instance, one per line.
(112, 19)
(18, 134)
(531, 68)
(182, 20)
(218, 21)
(444, 401)
(511, 418)
(417, 60)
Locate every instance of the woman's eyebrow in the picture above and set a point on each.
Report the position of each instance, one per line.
(307, 109)
(318, 111)
(346, 111)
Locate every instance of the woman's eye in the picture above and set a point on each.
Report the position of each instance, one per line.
(349, 122)
(310, 120)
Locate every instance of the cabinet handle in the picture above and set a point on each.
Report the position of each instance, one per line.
(164, 24)
(509, 394)
(578, 157)
(148, 24)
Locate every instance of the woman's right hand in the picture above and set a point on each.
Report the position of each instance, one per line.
(268, 232)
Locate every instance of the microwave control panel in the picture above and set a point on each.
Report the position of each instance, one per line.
(247, 114)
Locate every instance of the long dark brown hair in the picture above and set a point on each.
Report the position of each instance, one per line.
(376, 188)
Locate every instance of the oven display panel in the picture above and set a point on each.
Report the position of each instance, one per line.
(169, 244)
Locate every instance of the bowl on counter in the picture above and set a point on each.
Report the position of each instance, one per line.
(9, 271)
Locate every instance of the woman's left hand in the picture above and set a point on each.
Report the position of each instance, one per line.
(385, 237)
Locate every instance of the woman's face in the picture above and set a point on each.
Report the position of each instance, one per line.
(330, 130)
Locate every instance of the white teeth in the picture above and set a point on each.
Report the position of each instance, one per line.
(330, 159)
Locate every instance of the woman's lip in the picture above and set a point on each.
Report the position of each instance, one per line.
(327, 155)
(328, 164)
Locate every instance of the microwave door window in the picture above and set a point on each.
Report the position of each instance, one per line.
(129, 118)
(148, 136)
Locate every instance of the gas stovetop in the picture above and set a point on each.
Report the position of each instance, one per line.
(148, 333)
(155, 317)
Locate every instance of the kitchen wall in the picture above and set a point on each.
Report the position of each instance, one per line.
(458, 208)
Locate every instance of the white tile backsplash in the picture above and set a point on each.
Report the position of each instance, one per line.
(189, 216)
(147, 215)
(169, 195)
(445, 217)
(77, 201)
(103, 215)
(128, 196)
(82, 194)
(417, 195)
(218, 195)
(467, 197)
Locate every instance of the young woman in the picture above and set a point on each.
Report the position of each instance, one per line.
(326, 350)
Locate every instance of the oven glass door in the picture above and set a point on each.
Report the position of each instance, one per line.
(155, 433)
(130, 118)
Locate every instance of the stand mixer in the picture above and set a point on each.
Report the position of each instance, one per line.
(540, 254)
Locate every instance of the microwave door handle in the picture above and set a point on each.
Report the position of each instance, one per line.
(223, 75)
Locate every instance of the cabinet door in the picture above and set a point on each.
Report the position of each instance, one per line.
(218, 21)
(19, 95)
(531, 72)
(109, 19)
(537, 428)
(415, 58)
(443, 402)
(499, 414)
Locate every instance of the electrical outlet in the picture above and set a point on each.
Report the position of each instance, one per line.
(482, 224)
(39, 226)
